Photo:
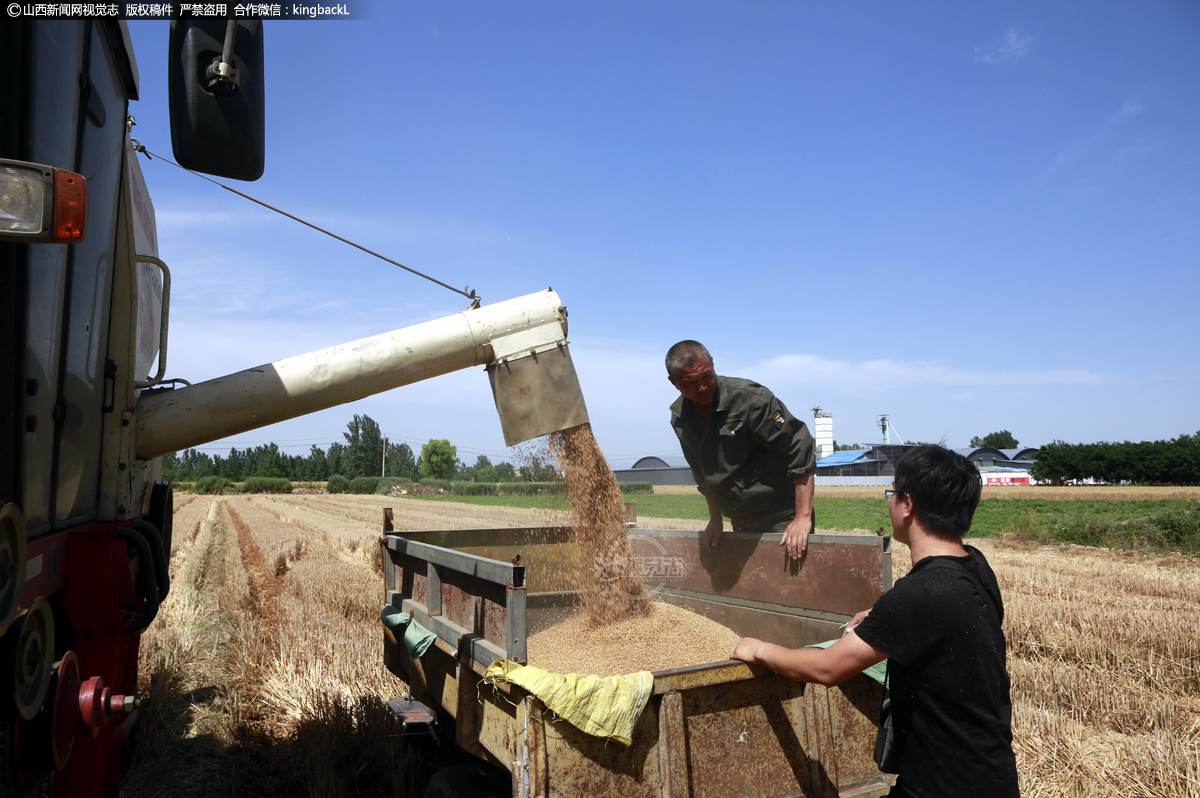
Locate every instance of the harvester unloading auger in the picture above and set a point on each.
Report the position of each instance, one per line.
(522, 341)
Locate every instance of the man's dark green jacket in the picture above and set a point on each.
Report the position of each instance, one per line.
(749, 455)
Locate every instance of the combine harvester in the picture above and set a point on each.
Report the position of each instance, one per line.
(85, 523)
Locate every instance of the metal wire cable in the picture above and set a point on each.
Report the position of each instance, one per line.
(468, 293)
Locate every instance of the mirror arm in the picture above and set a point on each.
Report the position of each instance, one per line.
(221, 75)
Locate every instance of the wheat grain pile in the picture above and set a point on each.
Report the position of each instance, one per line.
(619, 630)
(661, 638)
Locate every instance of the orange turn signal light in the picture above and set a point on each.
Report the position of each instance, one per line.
(70, 206)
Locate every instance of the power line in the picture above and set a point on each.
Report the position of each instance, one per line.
(285, 446)
(467, 292)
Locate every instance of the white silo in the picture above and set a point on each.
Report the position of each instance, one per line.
(822, 432)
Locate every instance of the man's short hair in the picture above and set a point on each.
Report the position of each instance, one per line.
(944, 488)
(685, 354)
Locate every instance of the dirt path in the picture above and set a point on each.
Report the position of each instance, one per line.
(263, 584)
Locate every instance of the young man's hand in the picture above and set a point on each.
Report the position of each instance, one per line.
(747, 650)
(827, 666)
(856, 620)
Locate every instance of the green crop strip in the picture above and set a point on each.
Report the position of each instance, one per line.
(1168, 525)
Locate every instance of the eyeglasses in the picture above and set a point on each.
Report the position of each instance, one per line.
(888, 494)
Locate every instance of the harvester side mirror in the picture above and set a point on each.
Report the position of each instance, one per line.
(218, 105)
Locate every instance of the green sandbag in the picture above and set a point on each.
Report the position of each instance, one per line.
(417, 639)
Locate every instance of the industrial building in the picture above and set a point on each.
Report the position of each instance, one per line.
(872, 465)
(880, 460)
(657, 471)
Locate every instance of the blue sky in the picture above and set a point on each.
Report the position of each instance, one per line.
(971, 218)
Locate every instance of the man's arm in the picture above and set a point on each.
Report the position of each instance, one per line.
(828, 666)
(778, 431)
(795, 537)
(716, 523)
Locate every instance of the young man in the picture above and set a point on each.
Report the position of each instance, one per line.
(947, 672)
(752, 459)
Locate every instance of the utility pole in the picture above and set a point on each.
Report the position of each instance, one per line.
(383, 466)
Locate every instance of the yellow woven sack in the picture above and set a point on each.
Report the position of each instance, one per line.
(602, 706)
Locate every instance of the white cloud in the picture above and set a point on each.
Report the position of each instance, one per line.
(1012, 47)
(1084, 147)
(1128, 108)
(821, 373)
(171, 222)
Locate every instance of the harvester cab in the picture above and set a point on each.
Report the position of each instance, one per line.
(85, 523)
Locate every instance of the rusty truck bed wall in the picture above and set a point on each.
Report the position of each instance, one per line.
(747, 584)
(717, 730)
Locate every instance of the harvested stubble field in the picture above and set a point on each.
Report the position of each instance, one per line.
(263, 673)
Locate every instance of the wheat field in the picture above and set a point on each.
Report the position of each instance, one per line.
(263, 674)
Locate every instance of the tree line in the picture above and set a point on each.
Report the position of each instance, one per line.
(362, 455)
(1173, 462)
(995, 440)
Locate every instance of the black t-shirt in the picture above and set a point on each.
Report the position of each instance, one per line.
(948, 680)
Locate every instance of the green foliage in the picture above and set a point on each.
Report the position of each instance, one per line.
(537, 470)
(214, 485)
(401, 463)
(996, 440)
(364, 448)
(635, 488)
(189, 465)
(474, 489)
(832, 514)
(1175, 526)
(1168, 525)
(364, 484)
(557, 502)
(1173, 462)
(482, 471)
(439, 460)
(433, 485)
(337, 484)
(267, 485)
(316, 466)
(360, 455)
(335, 456)
(530, 488)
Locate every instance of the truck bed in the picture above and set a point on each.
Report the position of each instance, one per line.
(722, 729)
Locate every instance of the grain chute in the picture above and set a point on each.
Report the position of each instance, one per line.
(522, 342)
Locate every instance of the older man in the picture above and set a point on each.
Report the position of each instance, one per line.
(752, 459)
(941, 629)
